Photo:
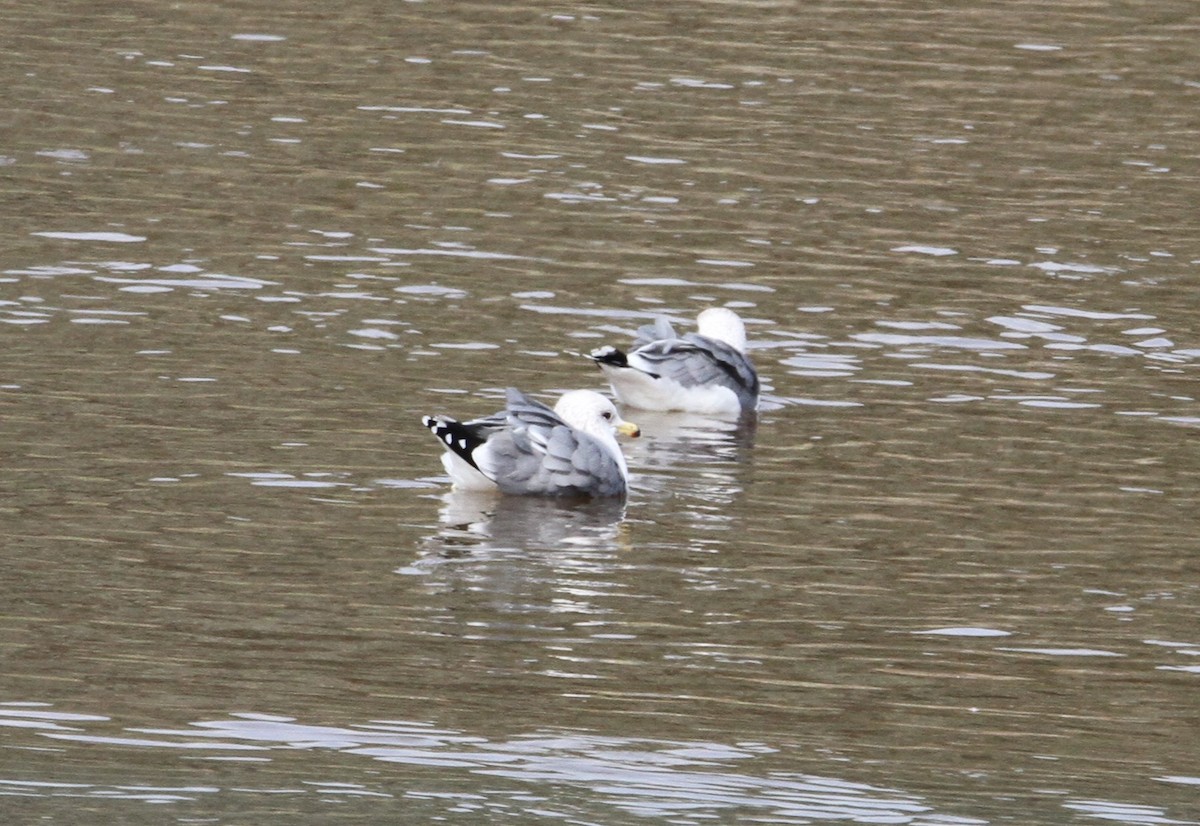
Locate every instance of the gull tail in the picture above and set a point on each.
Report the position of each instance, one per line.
(611, 356)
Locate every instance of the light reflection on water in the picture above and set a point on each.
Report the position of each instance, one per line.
(1057, 342)
(683, 781)
(678, 780)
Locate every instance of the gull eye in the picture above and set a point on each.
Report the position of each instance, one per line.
(607, 414)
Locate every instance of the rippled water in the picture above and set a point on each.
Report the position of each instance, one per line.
(948, 576)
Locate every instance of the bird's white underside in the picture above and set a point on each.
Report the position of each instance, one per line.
(635, 387)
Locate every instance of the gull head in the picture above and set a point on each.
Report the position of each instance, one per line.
(724, 325)
(595, 415)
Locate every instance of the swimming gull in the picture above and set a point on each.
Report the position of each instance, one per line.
(527, 448)
(703, 372)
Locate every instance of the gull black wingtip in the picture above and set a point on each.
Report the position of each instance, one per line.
(455, 435)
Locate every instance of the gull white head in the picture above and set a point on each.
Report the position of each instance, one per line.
(724, 325)
(595, 415)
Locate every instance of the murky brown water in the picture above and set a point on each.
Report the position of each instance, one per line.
(950, 578)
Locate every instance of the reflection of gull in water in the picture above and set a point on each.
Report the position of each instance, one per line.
(479, 523)
(691, 454)
(691, 438)
(527, 554)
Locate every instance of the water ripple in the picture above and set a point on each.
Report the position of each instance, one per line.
(642, 777)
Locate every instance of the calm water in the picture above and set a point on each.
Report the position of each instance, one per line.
(950, 577)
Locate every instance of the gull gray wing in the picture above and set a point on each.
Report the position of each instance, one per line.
(699, 361)
(660, 330)
(539, 453)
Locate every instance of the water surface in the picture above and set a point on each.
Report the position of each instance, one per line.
(948, 576)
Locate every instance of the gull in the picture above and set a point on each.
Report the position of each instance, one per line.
(530, 449)
(704, 372)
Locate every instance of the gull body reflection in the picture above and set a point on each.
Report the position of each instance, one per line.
(526, 556)
(691, 455)
(484, 525)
